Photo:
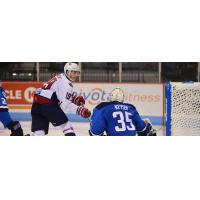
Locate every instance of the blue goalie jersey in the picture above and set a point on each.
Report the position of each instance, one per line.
(117, 119)
(3, 103)
(4, 114)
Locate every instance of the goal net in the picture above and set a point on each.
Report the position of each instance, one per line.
(182, 108)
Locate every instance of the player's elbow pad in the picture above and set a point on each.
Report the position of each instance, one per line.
(147, 131)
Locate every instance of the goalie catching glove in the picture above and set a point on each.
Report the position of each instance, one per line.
(78, 100)
(83, 112)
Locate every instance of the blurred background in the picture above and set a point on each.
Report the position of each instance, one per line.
(140, 72)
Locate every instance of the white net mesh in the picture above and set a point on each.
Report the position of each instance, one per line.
(185, 109)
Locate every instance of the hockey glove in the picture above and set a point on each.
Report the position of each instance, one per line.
(149, 130)
(152, 131)
(79, 100)
(83, 112)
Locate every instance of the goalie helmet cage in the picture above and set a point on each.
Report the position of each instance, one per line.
(182, 108)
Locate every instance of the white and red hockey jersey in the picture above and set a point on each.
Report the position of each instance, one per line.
(61, 88)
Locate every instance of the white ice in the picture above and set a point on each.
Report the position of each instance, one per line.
(81, 129)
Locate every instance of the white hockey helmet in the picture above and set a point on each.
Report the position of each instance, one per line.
(116, 94)
(71, 67)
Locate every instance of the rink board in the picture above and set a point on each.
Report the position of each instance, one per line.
(147, 98)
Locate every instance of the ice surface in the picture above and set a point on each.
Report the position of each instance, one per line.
(81, 129)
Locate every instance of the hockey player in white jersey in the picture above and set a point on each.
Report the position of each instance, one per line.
(54, 100)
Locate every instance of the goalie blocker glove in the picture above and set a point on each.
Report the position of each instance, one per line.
(78, 100)
(83, 112)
